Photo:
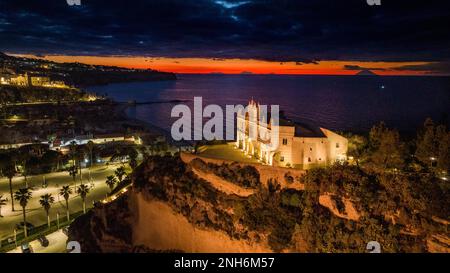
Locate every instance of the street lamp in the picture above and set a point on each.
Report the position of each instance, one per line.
(15, 237)
(432, 159)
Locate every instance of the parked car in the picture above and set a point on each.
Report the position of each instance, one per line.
(26, 248)
(19, 226)
(43, 240)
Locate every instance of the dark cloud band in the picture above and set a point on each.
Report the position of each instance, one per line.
(302, 31)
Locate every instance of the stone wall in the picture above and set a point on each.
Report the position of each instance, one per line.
(266, 172)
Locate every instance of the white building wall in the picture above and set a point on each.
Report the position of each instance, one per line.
(286, 150)
(292, 151)
(337, 147)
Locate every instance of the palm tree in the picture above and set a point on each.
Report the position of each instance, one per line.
(24, 158)
(120, 173)
(73, 153)
(59, 158)
(46, 202)
(73, 172)
(65, 192)
(10, 172)
(83, 190)
(23, 196)
(3, 202)
(111, 181)
(133, 154)
(90, 147)
(80, 157)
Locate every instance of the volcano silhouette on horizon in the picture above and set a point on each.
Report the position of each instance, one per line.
(366, 72)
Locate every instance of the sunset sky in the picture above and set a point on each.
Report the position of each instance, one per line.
(238, 66)
(234, 36)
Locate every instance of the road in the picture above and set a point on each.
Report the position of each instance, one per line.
(57, 244)
(35, 213)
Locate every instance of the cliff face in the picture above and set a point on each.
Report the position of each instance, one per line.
(106, 228)
(199, 207)
(168, 209)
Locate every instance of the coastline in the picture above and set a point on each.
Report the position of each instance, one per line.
(121, 111)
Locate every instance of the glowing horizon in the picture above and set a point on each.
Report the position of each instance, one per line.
(237, 66)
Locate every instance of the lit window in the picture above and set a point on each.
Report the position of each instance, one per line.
(284, 141)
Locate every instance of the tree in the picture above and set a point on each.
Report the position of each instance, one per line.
(387, 149)
(73, 172)
(427, 143)
(46, 202)
(152, 148)
(164, 146)
(73, 153)
(83, 190)
(23, 196)
(50, 160)
(357, 148)
(59, 158)
(144, 152)
(24, 157)
(80, 157)
(444, 153)
(111, 181)
(133, 158)
(3, 202)
(120, 173)
(432, 145)
(10, 172)
(90, 147)
(65, 192)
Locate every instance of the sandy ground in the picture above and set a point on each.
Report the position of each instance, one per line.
(159, 227)
(223, 185)
(350, 211)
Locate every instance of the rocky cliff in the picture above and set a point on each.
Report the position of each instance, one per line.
(198, 207)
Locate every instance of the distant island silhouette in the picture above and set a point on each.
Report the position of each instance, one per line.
(366, 72)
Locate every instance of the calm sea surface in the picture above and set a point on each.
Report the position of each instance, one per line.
(336, 102)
